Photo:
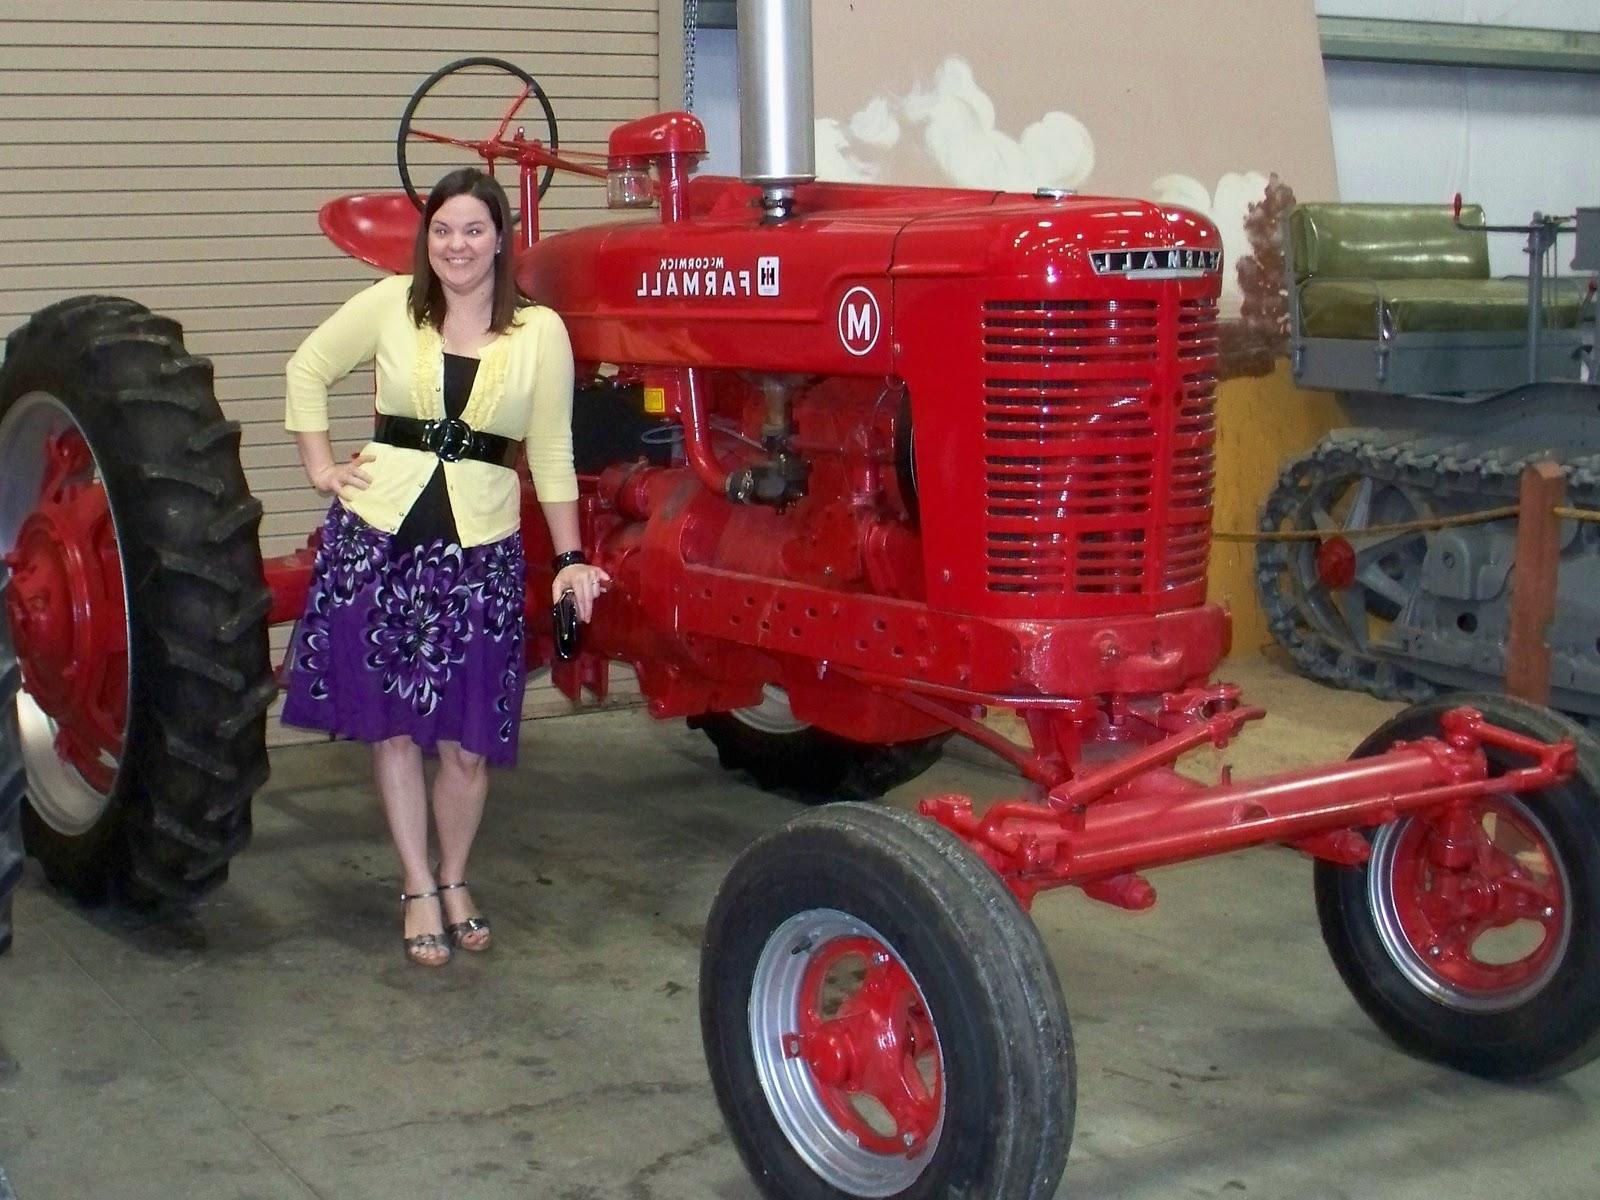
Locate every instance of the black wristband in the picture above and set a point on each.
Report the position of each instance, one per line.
(566, 559)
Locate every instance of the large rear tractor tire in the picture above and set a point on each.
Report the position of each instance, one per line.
(786, 755)
(881, 1019)
(136, 604)
(1492, 968)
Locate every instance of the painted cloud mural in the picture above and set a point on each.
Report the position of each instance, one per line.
(952, 123)
(1227, 207)
(947, 128)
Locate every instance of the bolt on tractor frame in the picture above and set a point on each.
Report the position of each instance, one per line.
(892, 458)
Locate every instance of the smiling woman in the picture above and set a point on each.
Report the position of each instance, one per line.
(463, 243)
(412, 636)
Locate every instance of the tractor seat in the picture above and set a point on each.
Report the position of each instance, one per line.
(1397, 298)
(1350, 308)
(1411, 267)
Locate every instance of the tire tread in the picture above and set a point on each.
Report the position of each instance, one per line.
(972, 915)
(200, 676)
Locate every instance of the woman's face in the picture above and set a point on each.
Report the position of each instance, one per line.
(461, 244)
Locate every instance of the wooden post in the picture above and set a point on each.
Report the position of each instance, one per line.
(1533, 582)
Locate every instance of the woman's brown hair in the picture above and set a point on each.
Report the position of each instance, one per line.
(427, 294)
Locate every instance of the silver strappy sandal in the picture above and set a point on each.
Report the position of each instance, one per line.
(422, 947)
(462, 930)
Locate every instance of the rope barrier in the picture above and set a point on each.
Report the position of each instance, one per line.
(1533, 599)
(1421, 525)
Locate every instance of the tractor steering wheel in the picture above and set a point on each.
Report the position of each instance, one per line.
(490, 149)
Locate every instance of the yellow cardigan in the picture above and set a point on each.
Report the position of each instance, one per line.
(523, 389)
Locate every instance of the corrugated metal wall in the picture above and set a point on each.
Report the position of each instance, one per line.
(177, 151)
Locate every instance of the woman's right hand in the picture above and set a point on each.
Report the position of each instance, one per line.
(335, 478)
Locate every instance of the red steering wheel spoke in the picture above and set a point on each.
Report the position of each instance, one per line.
(516, 105)
(424, 135)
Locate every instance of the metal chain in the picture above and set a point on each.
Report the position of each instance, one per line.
(691, 25)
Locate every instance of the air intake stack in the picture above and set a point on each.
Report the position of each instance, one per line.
(776, 107)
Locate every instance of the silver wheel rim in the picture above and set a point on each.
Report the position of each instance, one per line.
(833, 1153)
(773, 715)
(64, 800)
(1413, 962)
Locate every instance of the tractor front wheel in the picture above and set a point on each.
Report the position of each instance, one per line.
(783, 754)
(1493, 966)
(881, 1019)
(136, 606)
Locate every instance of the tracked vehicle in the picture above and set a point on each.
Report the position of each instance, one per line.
(1456, 382)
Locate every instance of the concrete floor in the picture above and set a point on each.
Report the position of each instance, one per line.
(275, 1045)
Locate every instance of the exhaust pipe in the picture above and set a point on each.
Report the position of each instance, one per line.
(777, 111)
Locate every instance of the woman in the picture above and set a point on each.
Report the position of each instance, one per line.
(412, 637)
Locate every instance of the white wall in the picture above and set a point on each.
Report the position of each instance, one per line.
(1513, 141)
(1581, 15)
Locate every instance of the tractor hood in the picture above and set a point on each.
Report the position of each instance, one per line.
(815, 293)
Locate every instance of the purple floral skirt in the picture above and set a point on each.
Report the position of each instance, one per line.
(424, 641)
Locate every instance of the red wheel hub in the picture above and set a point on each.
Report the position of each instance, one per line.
(1336, 564)
(67, 613)
(870, 1045)
(1459, 881)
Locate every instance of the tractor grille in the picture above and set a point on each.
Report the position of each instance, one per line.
(1193, 446)
(1097, 478)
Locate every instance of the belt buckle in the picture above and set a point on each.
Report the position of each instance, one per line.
(450, 439)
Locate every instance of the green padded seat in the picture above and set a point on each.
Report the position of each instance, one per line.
(1346, 308)
(1387, 241)
(1429, 275)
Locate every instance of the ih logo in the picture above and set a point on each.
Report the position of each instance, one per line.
(767, 275)
(859, 321)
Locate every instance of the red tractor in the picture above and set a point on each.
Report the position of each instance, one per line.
(872, 461)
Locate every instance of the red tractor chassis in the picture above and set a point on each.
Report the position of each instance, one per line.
(931, 454)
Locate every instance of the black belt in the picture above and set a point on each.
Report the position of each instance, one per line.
(451, 439)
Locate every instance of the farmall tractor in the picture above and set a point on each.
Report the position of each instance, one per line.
(929, 453)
